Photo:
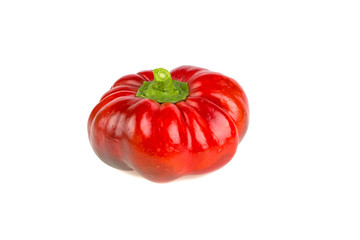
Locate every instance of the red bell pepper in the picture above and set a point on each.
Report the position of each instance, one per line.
(166, 125)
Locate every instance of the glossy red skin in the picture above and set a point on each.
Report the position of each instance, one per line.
(163, 142)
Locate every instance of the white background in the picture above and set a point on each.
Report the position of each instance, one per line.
(295, 174)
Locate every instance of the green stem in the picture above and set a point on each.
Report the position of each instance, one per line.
(162, 80)
(163, 88)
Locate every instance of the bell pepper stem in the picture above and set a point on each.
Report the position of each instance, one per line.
(163, 88)
(162, 80)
